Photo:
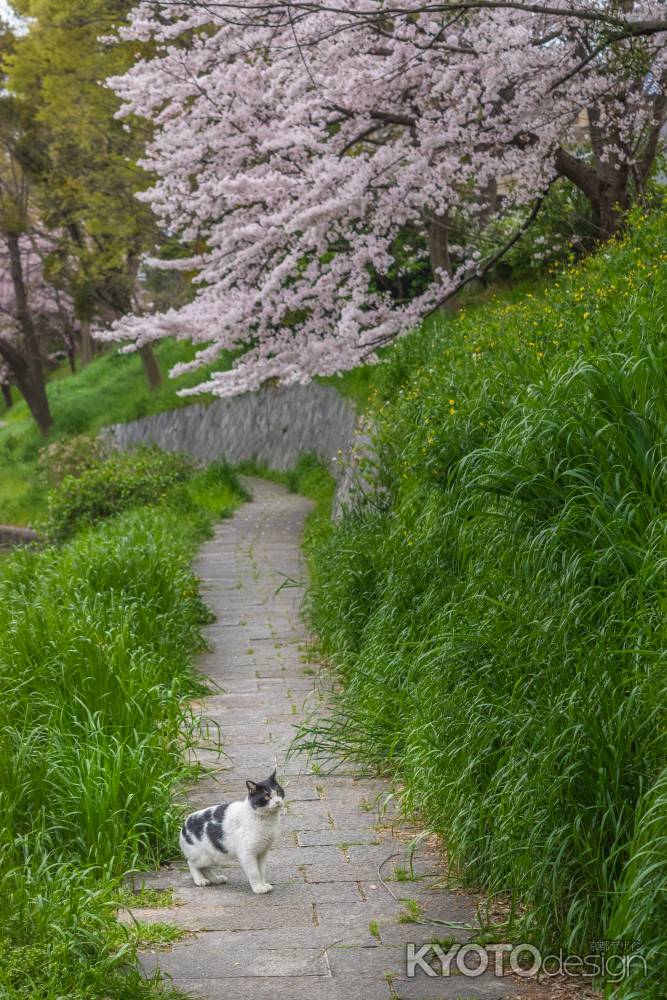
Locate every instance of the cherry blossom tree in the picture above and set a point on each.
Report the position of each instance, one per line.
(32, 308)
(20, 349)
(19, 343)
(32, 312)
(82, 161)
(311, 151)
(25, 297)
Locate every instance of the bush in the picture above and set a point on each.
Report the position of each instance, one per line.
(71, 456)
(142, 476)
(498, 613)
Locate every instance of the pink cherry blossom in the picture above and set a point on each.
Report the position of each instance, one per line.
(293, 145)
(52, 308)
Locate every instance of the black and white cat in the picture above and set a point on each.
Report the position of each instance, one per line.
(245, 830)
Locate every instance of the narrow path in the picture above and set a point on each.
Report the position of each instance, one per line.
(330, 929)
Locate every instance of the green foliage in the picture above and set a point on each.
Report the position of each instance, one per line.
(82, 159)
(153, 934)
(641, 908)
(497, 612)
(71, 456)
(111, 390)
(124, 480)
(563, 228)
(145, 898)
(96, 643)
(311, 478)
(214, 490)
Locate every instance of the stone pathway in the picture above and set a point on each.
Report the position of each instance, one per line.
(330, 930)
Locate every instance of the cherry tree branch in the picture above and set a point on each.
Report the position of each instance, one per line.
(480, 272)
(625, 28)
(477, 273)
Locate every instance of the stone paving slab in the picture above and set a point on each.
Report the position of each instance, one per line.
(334, 926)
(454, 988)
(321, 988)
(226, 918)
(323, 838)
(206, 956)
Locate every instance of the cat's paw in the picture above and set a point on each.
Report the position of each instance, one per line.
(217, 879)
(200, 880)
(262, 888)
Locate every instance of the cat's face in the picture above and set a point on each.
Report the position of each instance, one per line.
(267, 795)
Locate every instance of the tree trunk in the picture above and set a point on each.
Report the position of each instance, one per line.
(37, 400)
(607, 191)
(609, 211)
(438, 244)
(86, 343)
(147, 354)
(30, 379)
(70, 346)
(151, 367)
(608, 182)
(6, 390)
(438, 251)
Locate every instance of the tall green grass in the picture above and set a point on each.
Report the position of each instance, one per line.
(97, 639)
(497, 610)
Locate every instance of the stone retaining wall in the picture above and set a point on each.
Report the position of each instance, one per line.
(273, 427)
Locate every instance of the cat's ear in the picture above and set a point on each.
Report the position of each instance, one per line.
(272, 777)
(251, 786)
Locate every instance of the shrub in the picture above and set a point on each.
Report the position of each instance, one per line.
(142, 476)
(71, 456)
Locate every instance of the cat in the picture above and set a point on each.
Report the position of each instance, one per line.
(245, 830)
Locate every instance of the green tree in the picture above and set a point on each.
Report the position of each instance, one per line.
(82, 159)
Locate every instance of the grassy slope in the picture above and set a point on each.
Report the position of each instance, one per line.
(96, 643)
(497, 616)
(112, 389)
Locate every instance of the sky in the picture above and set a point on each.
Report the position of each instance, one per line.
(6, 11)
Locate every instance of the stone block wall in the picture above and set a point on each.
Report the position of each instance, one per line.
(273, 427)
